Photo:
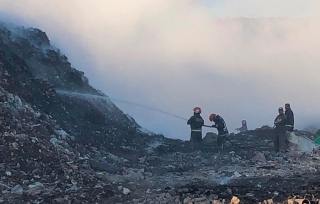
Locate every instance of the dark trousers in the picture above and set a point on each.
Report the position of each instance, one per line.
(196, 139)
(280, 143)
(221, 140)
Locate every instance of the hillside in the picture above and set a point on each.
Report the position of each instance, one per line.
(36, 71)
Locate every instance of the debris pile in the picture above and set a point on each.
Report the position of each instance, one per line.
(39, 167)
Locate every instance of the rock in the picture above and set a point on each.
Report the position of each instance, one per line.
(99, 166)
(185, 190)
(17, 190)
(210, 138)
(201, 200)
(249, 194)
(213, 196)
(260, 157)
(35, 188)
(36, 185)
(126, 191)
(236, 174)
(59, 200)
(187, 200)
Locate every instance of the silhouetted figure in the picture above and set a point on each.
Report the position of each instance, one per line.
(280, 131)
(244, 127)
(196, 122)
(290, 118)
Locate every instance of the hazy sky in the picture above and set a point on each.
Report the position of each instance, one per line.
(175, 55)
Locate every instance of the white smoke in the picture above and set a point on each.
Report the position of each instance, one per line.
(175, 55)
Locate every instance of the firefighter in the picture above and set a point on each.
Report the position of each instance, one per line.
(221, 127)
(196, 122)
(244, 127)
(280, 144)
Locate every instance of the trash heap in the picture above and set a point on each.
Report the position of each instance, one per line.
(40, 163)
(250, 174)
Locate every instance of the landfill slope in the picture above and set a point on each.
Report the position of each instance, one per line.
(37, 72)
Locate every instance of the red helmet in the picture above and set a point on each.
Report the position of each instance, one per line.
(197, 110)
(212, 117)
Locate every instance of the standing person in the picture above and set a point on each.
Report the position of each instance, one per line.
(280, 131)
(196, 122)
(221, 127)
(244, 127)
(290, 118)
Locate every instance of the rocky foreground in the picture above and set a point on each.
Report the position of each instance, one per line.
(248, 172)
(41, 167)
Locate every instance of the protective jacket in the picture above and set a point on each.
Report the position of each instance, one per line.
(290, 118)
(280, 121)
(220, 125)
(196, 122)
(280, 133)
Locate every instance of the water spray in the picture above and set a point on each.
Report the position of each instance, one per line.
(147, 107)
(63, 92)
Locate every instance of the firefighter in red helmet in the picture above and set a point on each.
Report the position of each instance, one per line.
(196, 122)
(221, 127)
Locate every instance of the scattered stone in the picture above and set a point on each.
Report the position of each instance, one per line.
(8, 173)
(260, 157)
(17, 190)
(126, 191)
(250, 194)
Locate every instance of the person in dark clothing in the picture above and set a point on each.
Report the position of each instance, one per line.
(290, 118)
(280, 131)
(244, 127)
(196, 122)
(221, 127)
